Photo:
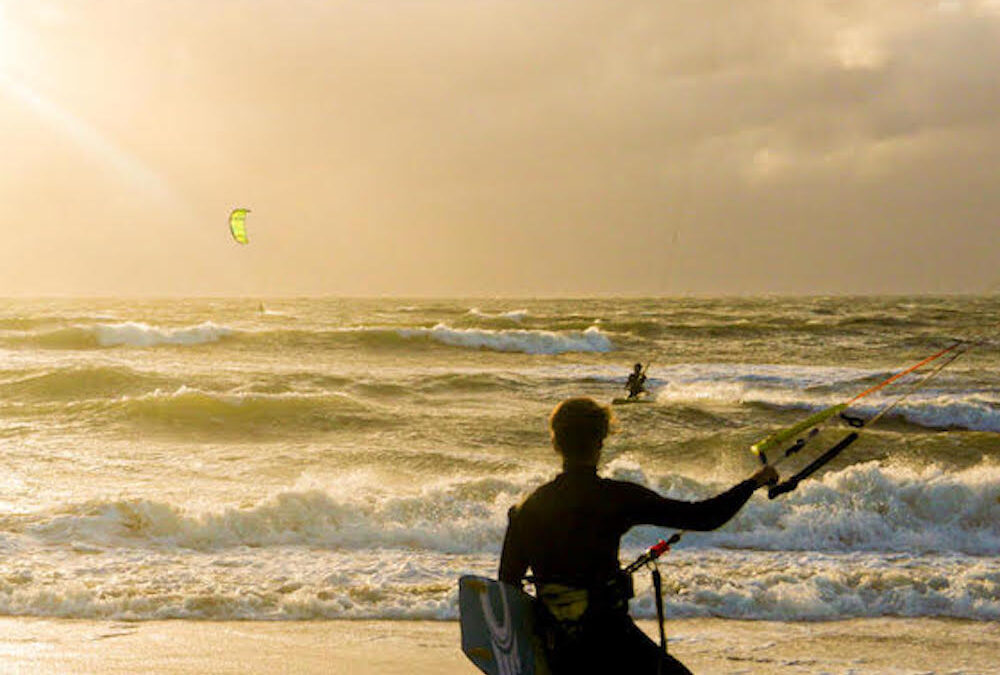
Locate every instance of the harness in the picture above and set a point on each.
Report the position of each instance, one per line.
(568, 609)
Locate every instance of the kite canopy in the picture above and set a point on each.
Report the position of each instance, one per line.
(238, 226)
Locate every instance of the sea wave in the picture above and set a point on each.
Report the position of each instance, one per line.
(473, 382)
(457, 519)
(190, 410)
(824, 587)
(866, 507)
(78, 382)
(295, 583)
(863, 542)
(126, 334)
(187, 412)
(515, 315)
(525, 341)
(870, 507)
(134, 334)
(972, 412)
(26, 323)
(62, 337)
(944, 406)
(288, 585)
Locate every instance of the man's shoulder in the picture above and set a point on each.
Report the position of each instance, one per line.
(555, 488)
(624, 487)
(539, 493)
(554, 492)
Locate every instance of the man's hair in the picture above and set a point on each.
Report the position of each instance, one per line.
(579, 425)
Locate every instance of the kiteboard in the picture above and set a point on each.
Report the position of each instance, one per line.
(629, 401)
(498, 628)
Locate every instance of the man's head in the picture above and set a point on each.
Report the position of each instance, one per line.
(579, 427)
(638, 367)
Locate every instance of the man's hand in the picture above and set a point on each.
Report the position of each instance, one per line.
(765, 476)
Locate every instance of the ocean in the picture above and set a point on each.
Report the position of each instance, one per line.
(326, 458)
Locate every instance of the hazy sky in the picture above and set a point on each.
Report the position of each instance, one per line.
(512, 147)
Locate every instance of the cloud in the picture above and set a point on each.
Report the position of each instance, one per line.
(460, 147)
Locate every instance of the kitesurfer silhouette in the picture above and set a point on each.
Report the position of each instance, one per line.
(568, 532)
(636, 381)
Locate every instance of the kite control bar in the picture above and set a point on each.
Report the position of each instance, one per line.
(792, 482)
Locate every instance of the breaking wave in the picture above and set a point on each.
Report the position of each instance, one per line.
(868, 507)
(131, 334)
(863, 542)
(515, 315)
(456, 519)
(127, 334)
(825, 587)
(815, 388)
(865, 507)
(140, 335)
(525, 341)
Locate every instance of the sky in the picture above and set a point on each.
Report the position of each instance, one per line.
(499, 147)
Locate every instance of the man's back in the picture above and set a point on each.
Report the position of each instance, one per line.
(569, 530)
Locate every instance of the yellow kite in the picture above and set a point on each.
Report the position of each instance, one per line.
(238, 225)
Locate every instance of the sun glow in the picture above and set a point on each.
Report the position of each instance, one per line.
(86, 137)
(17, 87)
(6, 39)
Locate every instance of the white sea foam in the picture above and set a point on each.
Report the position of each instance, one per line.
(814, 388)
(782, 587)
(864, 507)
(297, 583)
(874, 508)
(439, 520)
(784, 376)
(513, 315)
(865, 541)
(289, 583)
(977, 412)
(524, 341)
(134, 334)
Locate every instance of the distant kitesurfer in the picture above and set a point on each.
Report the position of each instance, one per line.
(568, 532)
(636, 381)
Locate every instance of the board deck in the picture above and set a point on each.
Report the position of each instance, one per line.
(498, 628)
(629, 401)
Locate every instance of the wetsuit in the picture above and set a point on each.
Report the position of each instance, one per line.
(635, 384)
(568, 531)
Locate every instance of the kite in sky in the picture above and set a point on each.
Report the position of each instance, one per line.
(238, 225)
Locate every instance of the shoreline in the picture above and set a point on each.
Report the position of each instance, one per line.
(176, 647)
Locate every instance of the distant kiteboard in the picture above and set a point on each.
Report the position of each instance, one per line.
(629, 401)
(498, 628)
(238, 225)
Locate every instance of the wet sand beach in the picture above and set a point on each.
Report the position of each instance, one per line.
(897, 646)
